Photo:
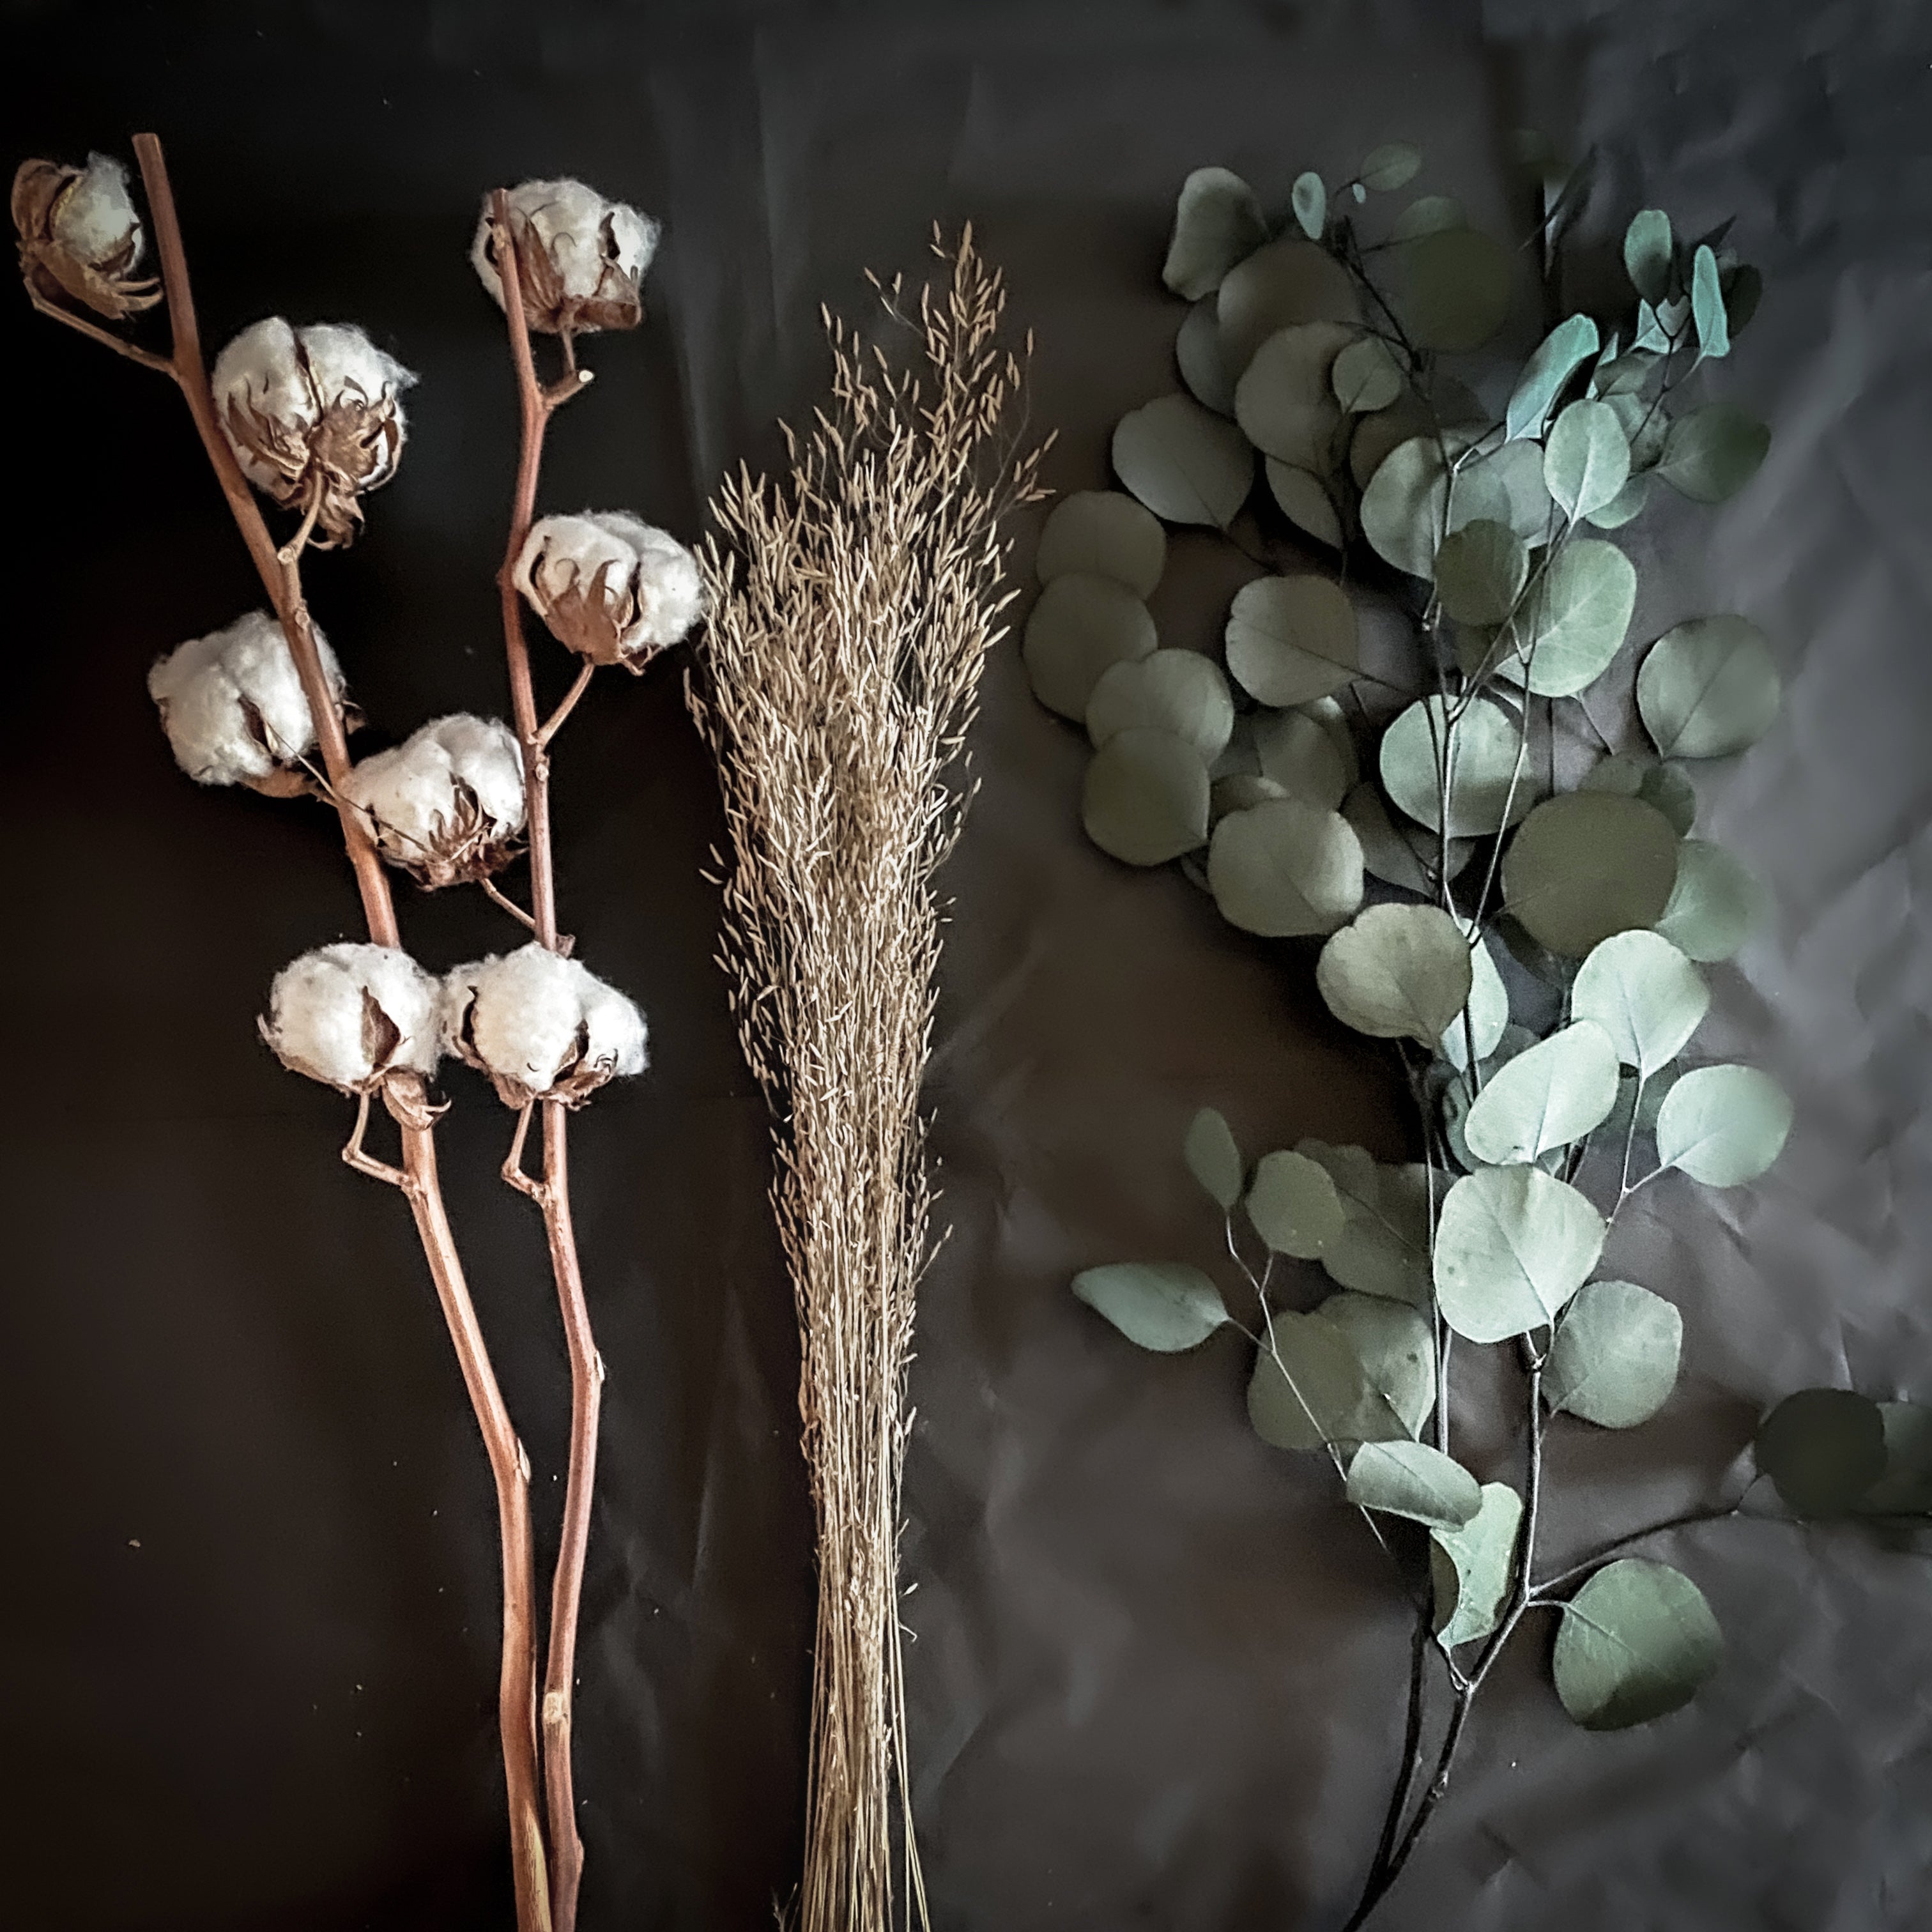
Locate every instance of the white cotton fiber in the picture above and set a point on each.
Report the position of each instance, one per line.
(567, 220)
(446, 804)
(94, 219)
(541, 1026)
(611, 586)
(320, 1020)
(231, 703)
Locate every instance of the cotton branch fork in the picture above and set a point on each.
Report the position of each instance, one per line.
(416, 1178)
(552, 1194)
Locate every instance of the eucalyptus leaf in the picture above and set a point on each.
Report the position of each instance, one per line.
(1287, 283)
(1516, 469)
(1410, 1479)
(1823, 1449)
(1707, 306)
(1145, 798)
(1328, 713)
(1457, 287)
(1179, 692)
(1103, 533)
(1628, 503)
(1480, 570)
(1284, 402)
(1557, 358)
(1429, 214)
(1554, 1094)
(1299, 754)
(1396, 1346)
(1586, 864)
(1310, 201)
(1184, 462)
(1722, 1125)
(1715, 905)
(1218, 221)
(1405, 506)
(1197, 354)
(1366, 376)
(1478, 753)
(1576, 619)
(1304, 500)
(1081, 625)
(1294, 1205)
(1311, 1389)
(1512, 1245)
(1391, 165)
(1712, 453)
(1164, 1306)
(1469, 1568)
(1242, 791)
(1614, 1361)
(1213, 1158)
(1399, 854)
(1648, 254)
(1637, 774)
(1398, 972)
(1383, 1248)
(1291, 639)
(1587, 459)
(1636, 1642)
(1285, 869)
(1488, 1006)
(1709, 688)
(1646, 995)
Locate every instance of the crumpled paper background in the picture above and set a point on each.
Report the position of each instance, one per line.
(1155, 1671)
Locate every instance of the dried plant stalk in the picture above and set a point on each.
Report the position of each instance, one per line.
(852, 606)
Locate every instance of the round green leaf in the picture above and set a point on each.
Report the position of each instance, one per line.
(1576, 619)
(1614, 1361)
(1636, 1642)
(1557, 358)
(1714, 906)
(1722, 1125)
(1396, 1348)
(1398, 972)
(1516, 469)
(1145, 798)
(1400, 855)
(1298, 754)
(1824, 1448)
(1646, 995)
(1713, 452)
(1294, 1205)
(1313, 1389)
(1197, 352)
(1512, 1245)
(1623, 506)
(1081, 625)
(1366, 376)
(1213, 1157)
(1480, 572)
(1310, 199)
(1383, 1248)
(1291, 639)
(1637, 775)
(1405, 502)
(1164, 1306)
(1709, 688)
(1334, 720)
(1469, 1568)
(1587, 459)
(1554, 1093)
(1457, 288)
(1647, 254)
(1184, 462)
(1707, 304)
(1587, 864)
(1393, 165)
(1288, 282)
(1284, 402)
(1104, 534)
(1428, 215)
(1217, 222)
(1285, 869)
(1179, 692)
(1488, 1010)
(1304, 501)
(1410, 1479)
(1480, 751)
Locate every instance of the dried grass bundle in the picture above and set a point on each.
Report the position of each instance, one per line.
(852, 606)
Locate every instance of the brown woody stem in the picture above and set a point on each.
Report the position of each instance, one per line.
(534, 405)
(516, 1693)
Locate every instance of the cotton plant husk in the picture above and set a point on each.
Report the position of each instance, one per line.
(852, 602)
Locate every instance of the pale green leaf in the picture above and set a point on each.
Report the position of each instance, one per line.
(1184, 462)
(1712, 453)
(1707, 305)
(1366, 376)
(1398, 972)
(1179, 692)
(1516, 469)
(1399, 854)
(1406, 502)
(1299, 754)
(1410, 1479)
(1104, 534)
(1586, 864)
(1636, 1642)
(1479, 754)
(1554, 1094)
(1723, 1126)
(1285, 869)
(1557, 358)
(1311, 1388)
(1429, 214)
(1396, 1346)
(1587, 460)
(1614, 1361)
(1292, 639)
(1469, 1568)
(1218, 221)
(1213, 1157)
(1576, 619)
(1393, 165)
(1294, 1205)
(1709, 688)
(1646, 995)
(1284, 402)
(1310, 201)
(1647, 254)
(1383, 1248)
(1480, 572)
(1305, 501)
(1715, 905)
(1637, 775)
(1197, 353)
(1164, 1306)
(1080, 626)
(1145, 798)
(1488, 1008)
(1621, 508)
(1512, 1245)
(1285, 284)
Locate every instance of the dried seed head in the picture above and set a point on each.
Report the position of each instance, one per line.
(611, 587)
(355, 1017)
(447, 805)
(232, 706)
(581, 259)
(541, 1026)
(80, 236)
(314, 417)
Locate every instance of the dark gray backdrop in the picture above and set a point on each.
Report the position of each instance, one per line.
(249, 1624)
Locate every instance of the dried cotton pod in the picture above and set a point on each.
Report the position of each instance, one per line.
(314, 417)
(541, 1026)
(232, 706)
(447, 806)
(581, 259)
(611, 587)
(81, 235)
(354, 1015)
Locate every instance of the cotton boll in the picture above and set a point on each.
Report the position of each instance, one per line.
(448, 804)
(81, 235)
(541, 1026)
(581, 259)
(314, 417)
(232, 706)
(350, 1015)
(610, 587)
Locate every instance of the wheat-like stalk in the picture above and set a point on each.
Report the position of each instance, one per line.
(853, 604)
